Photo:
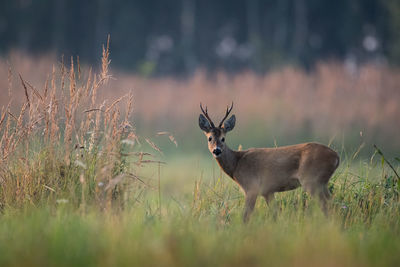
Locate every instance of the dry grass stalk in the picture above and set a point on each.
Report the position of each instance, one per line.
(46, 87)
(79, 67)
(25, 90)
(114, 103)
(105, 60)
(153, 145)
(4, 113)
(95, 86)
(36, 92)
(129, 108)
(89, 83)
(53, 125)
(170, 136)
(53, 108)
(63, 74)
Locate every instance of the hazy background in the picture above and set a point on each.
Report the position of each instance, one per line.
(296, 70)
(179, 36)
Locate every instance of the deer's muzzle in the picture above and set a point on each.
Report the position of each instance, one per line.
(217, 152)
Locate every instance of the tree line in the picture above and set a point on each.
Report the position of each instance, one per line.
(180, 36)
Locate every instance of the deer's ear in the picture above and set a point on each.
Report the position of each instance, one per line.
(204, 124)
(230, 124)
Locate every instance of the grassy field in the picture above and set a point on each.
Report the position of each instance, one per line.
(201, 225)
(80, 187)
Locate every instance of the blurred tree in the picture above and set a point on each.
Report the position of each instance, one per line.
(392, 8)
(187, 34)
(178, 36)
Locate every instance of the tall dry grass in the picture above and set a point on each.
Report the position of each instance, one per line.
(63, 141)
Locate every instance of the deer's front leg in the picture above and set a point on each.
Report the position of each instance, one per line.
(249, 206)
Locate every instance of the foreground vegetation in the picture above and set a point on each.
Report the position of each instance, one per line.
(75, 189)
(203, 227)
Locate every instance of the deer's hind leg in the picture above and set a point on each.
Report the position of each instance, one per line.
(315, 183)
(319, 190)
(314, 175)
(324, 196)
(269, 196)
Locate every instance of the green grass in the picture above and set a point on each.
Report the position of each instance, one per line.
(200, 224)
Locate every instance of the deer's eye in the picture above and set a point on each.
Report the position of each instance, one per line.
(209, 139)
(223, 139)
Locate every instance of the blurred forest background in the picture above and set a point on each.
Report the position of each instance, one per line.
(179, 36)
(297, 70)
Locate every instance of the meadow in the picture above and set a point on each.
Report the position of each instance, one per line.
(102, 172)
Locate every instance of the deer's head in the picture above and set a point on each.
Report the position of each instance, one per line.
(216, 135)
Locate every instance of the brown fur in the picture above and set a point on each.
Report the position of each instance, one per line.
(264, 171)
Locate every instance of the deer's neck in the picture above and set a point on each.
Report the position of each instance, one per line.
(229, 160)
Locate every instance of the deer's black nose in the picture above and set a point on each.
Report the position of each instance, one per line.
(217, 151)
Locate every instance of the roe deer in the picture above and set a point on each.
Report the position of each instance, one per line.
(264, 171)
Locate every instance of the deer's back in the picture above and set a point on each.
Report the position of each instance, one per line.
(282, 164)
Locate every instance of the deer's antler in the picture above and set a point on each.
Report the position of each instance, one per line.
(208, 117)
(228, 110)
